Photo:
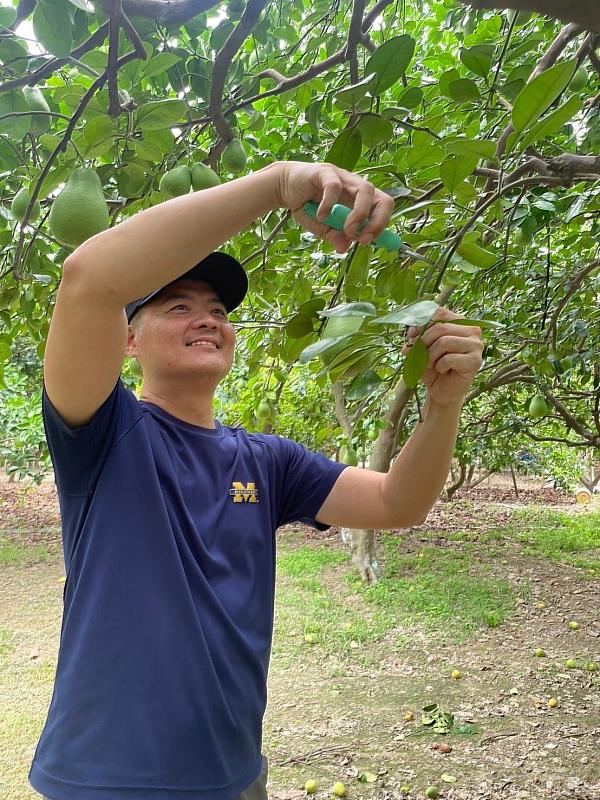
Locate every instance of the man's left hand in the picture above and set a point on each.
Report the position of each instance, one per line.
(455, 356)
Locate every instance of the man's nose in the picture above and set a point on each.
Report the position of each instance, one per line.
(205, 319)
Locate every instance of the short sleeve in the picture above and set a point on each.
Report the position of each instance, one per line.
(78, 454)
(306, 480)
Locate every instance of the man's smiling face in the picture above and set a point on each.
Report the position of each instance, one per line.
(183, 331)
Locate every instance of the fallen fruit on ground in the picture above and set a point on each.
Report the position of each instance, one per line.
(539, 652)
(444, 748)
(540, 605)
(432, 792)
(573, 625)
(591, 666)
(456, 674)
(405, 789)
(553, 702)
(309, 638)
(339, 789)
(409, 716)
(571, 663)
(310, 786)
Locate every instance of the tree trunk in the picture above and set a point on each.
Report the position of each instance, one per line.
(470, 473)
(363, 552)
(450, 492)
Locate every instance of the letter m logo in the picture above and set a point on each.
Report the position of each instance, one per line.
(243, 493)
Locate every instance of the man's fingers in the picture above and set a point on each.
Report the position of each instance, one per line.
(332, 189)
(380, 212)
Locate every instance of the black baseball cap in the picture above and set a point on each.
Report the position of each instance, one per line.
(221, 271)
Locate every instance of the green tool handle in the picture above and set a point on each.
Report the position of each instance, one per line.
(337, 217)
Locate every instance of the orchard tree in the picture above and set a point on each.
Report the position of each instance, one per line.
(483, 125)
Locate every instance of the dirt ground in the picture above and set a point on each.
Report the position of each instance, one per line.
(335, 719)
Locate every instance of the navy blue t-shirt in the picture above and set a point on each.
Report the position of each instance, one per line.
(169, 546)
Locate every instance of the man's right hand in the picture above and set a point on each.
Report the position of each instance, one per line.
(326, 184)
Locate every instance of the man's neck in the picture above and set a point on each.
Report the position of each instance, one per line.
(198, 412)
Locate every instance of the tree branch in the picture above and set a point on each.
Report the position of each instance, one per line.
(583, 12)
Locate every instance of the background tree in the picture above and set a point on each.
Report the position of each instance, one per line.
(484, 126)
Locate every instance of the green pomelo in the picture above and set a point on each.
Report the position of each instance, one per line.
(19, 205)
(372, 434)
(37, 102)
(234, 158)
(175, 182)
(348, 456)
(263, 410)
(80, 210)
(537, 406)
(204, 177)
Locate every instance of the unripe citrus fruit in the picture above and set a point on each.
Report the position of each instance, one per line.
(571, 663)
(408, 717)
(591, 666)
(263, 410)
(456, 674)
(309, 638)
(553, 702)
(537, 406)
(339, 789)
(20, 203)
(432, 792)
(538, 652)
(573, 625)
(310, 787)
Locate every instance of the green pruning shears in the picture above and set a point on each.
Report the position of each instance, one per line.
(389, 240)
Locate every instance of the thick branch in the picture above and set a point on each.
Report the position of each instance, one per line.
(340, 409)
(573, 286)
(582, 12)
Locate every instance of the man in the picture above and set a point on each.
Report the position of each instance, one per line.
(169, 518)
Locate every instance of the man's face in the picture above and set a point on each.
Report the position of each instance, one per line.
(164, 331)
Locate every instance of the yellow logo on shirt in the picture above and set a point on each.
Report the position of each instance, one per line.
(243, 493)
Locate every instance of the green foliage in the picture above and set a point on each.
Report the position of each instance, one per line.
(422, 117)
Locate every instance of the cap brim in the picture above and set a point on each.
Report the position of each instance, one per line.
(221, 271)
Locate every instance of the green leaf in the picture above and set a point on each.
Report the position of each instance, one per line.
(464, 90)
(160, 114)
(415, 363)
(350, 95)
(53, 27)
(410, 98)
(345, 151)
(358, 271)
(300, 325)
(98, 129)
(484, 148)
(350, 310)
(160, 63)
(389, 62)
(476, 255)
(478, 59)
(447, 778)
(416, 314)
(363, 385)
(455, 169)
(375, 129)
(446, 78)
(319, 347)
(552, 123)
(540, 93)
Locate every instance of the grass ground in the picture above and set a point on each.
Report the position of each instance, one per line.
(479, 600)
